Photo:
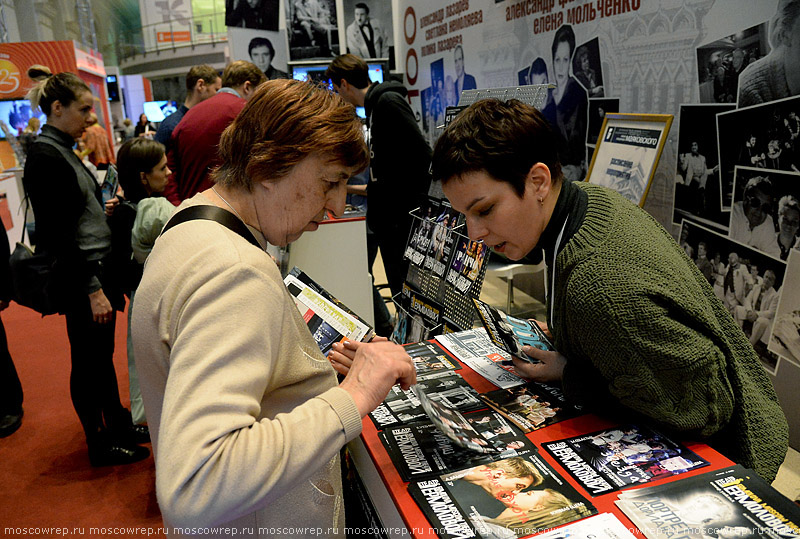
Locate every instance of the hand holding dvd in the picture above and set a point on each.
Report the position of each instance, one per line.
(511, 334)
(548, 365)
(374, 369)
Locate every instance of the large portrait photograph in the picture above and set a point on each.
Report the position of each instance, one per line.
(267, 50)
(368, 28)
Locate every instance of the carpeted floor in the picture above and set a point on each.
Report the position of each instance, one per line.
(47, 481)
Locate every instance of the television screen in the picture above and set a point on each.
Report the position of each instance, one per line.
(311, 72)
(16, 113)
(112, 88)
(316, 72)
(156, 111)
(375, 72)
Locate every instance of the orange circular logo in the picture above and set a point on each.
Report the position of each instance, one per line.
(9, 77)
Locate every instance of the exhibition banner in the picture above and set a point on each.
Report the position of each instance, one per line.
(165, 24)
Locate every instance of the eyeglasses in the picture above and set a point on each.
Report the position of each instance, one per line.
(756, 203)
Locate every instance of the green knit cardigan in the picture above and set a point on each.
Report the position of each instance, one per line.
(641, 327)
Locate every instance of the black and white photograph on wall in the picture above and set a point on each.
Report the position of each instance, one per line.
(720, 62)
(535, 73)
(312, 28)
(697, 187)
(761, 136)
(765, 210)
(777, 74)
(254, 14)
(598, 108)
(785, 339)
(747, 282)
(267, 50)
(461, 79)
(587, 69)
(567, 106)
(368, 28)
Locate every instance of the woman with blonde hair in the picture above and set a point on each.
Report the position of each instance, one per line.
(29, 134)
(71, 228)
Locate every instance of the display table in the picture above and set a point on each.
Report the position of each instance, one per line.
(403, 518)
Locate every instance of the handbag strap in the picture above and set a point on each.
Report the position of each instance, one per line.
(212, 213)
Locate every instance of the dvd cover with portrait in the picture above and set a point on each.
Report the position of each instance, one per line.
(513, 497)
(727, 503)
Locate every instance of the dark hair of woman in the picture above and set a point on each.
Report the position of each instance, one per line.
(503, 138)
(137, 156)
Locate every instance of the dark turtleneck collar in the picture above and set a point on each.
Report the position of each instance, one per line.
(571, 207)
(58, 135)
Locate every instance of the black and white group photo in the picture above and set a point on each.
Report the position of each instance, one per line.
(747, 281)
(762, 136)
(720, 63)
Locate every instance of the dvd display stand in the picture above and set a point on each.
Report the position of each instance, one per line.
(446, 270)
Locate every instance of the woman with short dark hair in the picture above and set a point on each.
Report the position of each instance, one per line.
(638, 330)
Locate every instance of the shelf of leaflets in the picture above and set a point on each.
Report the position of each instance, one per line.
(402, 517)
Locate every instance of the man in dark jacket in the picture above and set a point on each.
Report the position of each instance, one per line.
(400, 159)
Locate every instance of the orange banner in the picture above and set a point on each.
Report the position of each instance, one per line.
(16, 58)
(177, 37)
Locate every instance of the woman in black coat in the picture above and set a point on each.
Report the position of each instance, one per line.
(71, 228)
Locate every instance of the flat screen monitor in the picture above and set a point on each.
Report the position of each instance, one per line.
(156, 111)
(16, 113)
(375, 75)
(112, 88)
(311, 72)
(316, 72)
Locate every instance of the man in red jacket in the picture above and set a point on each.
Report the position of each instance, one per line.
(193, 146)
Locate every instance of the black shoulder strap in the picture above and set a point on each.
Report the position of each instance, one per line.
(212, 213)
